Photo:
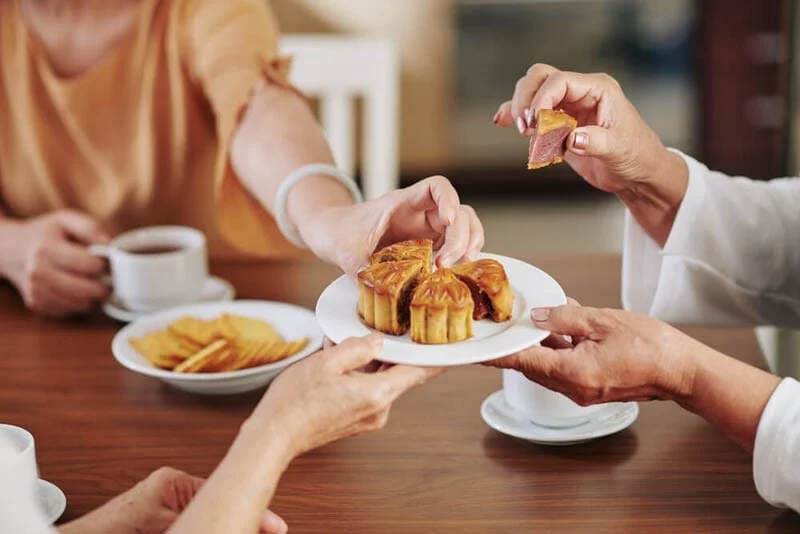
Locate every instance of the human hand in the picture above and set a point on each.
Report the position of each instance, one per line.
(47, 259)
(326, 397)
(613, 148)
(347, 235)
(152, 506)
(616, 356)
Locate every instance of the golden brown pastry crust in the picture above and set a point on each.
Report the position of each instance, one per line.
(417, 249)
(547, 121)
(384, 290)
(490, 288)
(441, 309)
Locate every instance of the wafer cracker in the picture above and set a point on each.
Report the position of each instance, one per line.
(251, 328)
(197, 331)
(163, 349)
(277, 351)
(203, 357)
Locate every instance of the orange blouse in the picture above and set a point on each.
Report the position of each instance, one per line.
(143, 137)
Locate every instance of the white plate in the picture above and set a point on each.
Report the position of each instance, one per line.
(290, 321)
(51, 499)
(215, 289)
(612, 418)
(338, 317)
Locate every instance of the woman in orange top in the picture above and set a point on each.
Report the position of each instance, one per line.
(124, 113)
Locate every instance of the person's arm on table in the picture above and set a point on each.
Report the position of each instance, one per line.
(271, 133)
(623, 356)
(318, 400)
(700, 246)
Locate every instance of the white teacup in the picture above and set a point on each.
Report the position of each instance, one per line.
(17, 459)
(156, 267)
(543, 406)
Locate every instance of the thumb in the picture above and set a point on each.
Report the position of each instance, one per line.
(594, 141)
(568, 320)
(81, 227)
(272, 523)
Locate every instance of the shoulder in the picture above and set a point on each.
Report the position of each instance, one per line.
(210, 13)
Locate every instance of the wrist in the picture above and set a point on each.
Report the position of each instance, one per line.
(276, 444)
(312, 196)
(655, 198)
(9, 228)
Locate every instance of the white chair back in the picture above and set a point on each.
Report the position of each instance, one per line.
(337, 70)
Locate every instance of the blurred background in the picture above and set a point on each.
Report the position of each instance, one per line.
(712, 77)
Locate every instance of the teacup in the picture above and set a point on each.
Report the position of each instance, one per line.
(17, 459)
(543, 406)
(156, 267)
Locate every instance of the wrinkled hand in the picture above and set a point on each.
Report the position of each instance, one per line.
(617, 356)
(326, 397)
(347, 235)
(613, 148)
(151, 506)
(47, 259)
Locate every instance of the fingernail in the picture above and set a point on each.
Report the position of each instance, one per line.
(581, 140)
(540, 314)
(521, 125)
(529, 116)
(496, 117)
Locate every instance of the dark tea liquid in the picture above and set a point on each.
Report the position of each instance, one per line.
(153, 249)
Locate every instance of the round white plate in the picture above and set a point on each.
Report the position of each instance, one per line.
(290, 321)
(215, 289)
(51, 499)
(338, 317)
(612, 418)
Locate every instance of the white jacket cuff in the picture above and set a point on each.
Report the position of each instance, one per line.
(648, 281)
(776, 457)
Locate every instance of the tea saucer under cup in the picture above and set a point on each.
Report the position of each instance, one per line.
(611, 418)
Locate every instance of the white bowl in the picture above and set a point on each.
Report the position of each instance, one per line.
(290, 321)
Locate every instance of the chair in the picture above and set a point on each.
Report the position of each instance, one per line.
(337, 70)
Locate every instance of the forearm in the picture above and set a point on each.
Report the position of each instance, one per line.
(729, 394)
(654, 200)
(237, 493)
(277, 135)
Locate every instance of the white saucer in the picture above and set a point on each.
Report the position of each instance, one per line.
(214, 290)
(52, 500)
(614, 416)
(338, 317)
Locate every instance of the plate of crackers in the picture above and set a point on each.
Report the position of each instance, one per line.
(218, 348)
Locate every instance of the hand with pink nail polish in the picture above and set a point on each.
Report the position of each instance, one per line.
(347, 235)
(613, 148)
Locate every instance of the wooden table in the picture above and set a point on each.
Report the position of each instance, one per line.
(436, 468)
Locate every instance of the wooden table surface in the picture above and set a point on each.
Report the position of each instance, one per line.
(436, 467)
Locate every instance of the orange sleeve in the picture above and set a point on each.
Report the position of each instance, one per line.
(229, 45)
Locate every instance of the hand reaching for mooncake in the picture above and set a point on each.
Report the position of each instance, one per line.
(347, 235)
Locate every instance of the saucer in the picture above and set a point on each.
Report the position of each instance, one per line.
(215, 289)
(52, 500)
(612, 418)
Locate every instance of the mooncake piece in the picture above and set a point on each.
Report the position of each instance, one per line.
(488, 284)
(384, 292)
(441, 309)
(547, 144)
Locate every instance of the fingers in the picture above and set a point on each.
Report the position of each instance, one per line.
(503, 116)
(569, 320)
(435, 194)
(76, 287)
(81, 227)
(535, 362)
(76, 258)
(579, 90)
(476, 235)
(592, 141)
(529, 85)
(354, 352)
(456, 240)
(272, 523)
(401, 378)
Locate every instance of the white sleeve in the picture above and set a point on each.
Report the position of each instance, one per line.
(19, 509)
(776, 457)
(732, 257)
